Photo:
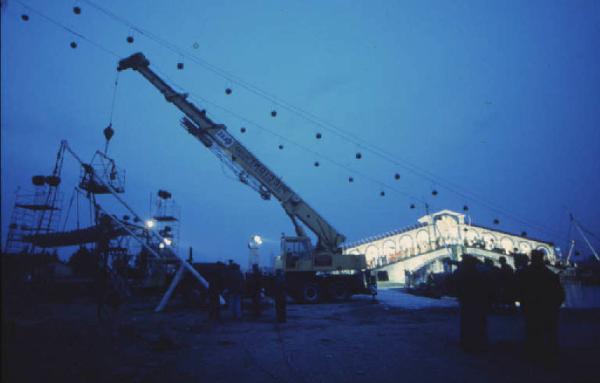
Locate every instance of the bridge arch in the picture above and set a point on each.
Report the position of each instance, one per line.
(389, 247)
(507, 244)
(489, 239)
(407, 244)
(471, 235)
(423, 240)
(372, 254)
(544, 250)
(524, 247)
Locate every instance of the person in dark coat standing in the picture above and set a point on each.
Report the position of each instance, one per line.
(541, 295)
(255, 287)
(280, 296)
(492, 277)
(236, 288)
(506, 283)
(214, 292)
(474, 299)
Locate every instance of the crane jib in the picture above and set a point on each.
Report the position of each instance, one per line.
(243, 156)
(209, 133)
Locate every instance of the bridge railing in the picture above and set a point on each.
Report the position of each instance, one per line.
(406, 254)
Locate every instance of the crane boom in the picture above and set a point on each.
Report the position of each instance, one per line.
(252, 171)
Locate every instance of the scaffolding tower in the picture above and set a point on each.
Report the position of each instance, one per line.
(166, 217)
(37, 212)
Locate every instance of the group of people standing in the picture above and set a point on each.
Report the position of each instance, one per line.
(229, 282)
(538, 291)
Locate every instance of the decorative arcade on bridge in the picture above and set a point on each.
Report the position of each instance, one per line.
(438, 237)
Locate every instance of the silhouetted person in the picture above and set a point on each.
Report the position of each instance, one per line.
(473, 295)
(408, 278)
(280, 296)
(235, 286)
(506, 276)
(492, 277)
(541, 295)
(103, 272)
(255, 289)
(214, 291)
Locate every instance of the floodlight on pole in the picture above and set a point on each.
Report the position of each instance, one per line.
(255, 241)
(167, 241)
(161, 245)
(253, 245)
(150, 223)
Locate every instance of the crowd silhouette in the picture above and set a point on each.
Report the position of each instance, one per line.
(482, 287)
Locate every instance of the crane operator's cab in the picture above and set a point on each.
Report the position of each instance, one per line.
(298, 254)
(314, 275)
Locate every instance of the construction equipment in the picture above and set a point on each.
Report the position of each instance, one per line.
(313, 273)
(37, 213)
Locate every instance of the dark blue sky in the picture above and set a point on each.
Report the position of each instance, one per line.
(499, 98)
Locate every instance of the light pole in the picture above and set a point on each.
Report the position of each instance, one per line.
(253, 245)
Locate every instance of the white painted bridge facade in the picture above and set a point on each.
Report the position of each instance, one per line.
(437, 236)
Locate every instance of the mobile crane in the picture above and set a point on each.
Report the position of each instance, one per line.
(312, 273)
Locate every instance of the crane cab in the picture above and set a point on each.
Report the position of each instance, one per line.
(314, 275)
(298, 254)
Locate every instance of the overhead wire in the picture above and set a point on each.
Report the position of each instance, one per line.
(304, 147)
(348, 136)
(196, 97)
(67, 29)
(288, 106)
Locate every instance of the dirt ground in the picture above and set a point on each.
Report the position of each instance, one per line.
(358, 341)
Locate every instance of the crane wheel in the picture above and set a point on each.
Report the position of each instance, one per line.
(338, 292)
(310, 293)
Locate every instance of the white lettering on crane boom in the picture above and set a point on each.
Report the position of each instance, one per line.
(224, 138)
